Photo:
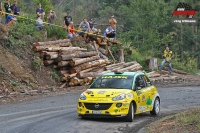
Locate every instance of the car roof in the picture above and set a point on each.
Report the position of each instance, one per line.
(123, 73)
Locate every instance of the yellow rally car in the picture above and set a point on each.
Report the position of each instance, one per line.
(119, 95)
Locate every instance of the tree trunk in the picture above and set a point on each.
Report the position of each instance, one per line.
(54, 49)
(87, 65)
(153, 64)
(63, 63)
(87, 74)
(77, 55)
(121, 55)
(52, 42)
(103, 51)
(48, 62)
(51, 56)
(102, 55)
(128, 68)
(75, 62)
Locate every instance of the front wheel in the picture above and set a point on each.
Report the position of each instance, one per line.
(131, 112)
(156, 107)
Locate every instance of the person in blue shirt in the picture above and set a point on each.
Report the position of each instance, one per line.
(40, 11)
(10, 19)
(15, 8)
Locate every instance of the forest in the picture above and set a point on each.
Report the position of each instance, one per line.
(143, 27)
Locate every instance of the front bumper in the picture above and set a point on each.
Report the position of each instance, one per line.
(104, 109)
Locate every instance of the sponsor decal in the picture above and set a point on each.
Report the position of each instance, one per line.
(149, 101)
(139, 92)
(109, 77)
(116, 110)
(124, 109)
(142, 108)
(143, 98)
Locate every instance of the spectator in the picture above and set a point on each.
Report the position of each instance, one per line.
(15, 8)
(113, 22)
(7, 7)
(92, 26)
(110, 32)
(10, 19)
(84, 27)
(168, 55)
(70, 29)
(51, 16)
(39, 23)
(67, 19)
(40, 12)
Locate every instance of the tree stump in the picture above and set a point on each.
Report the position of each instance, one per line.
(153, 64)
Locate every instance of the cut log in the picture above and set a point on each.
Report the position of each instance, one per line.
(77, 55)
(71, 76)
(62, 86)
(63, 63)
(38, 48)
(87, 79)
(103, 51)
(176, 71)
(128, 68)
(42, 54)
(88, 74)
(53, 42)
(76, 62)
(77, 81)
(87, 65)
(62, 72)
(111, 55)
(68, 52)
(51, 56)
(113, 65)
(54, 49)
(48, 62)
(71, 84)
(102, 55)
(121, 55)
(99, 40)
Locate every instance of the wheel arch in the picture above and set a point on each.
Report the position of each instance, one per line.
(135, 105)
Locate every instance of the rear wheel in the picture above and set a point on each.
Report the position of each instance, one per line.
(156, 107)
(131, 113)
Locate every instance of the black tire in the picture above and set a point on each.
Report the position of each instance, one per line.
(131, 112)
(156, 107)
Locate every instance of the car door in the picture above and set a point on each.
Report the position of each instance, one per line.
(142, 93)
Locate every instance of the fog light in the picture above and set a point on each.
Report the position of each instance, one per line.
(80, 104)
(118, 105)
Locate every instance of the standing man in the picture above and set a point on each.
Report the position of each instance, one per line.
(51, 16)
(168, 55)
(40, 12)
(7, 7)
(67, 19)
(84, 27)
(113, 23)
(15, 8)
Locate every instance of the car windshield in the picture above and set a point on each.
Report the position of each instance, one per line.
(110, 82)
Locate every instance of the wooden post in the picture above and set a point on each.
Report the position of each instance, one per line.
(121, 55)
(153, 64)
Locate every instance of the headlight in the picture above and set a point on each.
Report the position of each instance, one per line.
(119, 97)
(82, 96)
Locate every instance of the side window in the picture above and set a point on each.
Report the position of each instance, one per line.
(139, 82)
(147, 81)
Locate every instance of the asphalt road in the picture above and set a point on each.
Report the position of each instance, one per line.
(57, 114)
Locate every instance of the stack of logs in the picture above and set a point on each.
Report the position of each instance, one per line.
(76, 65)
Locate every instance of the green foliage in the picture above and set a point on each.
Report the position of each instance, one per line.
(55, 76)
(14, 83)
(56, 32)
(37, 63)
(31, 85)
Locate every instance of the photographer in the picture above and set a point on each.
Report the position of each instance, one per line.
(51, 16)
(110, 32)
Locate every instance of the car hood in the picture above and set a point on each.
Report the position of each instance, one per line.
(105, 93)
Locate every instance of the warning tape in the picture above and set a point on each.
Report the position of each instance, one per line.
(17, 16)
